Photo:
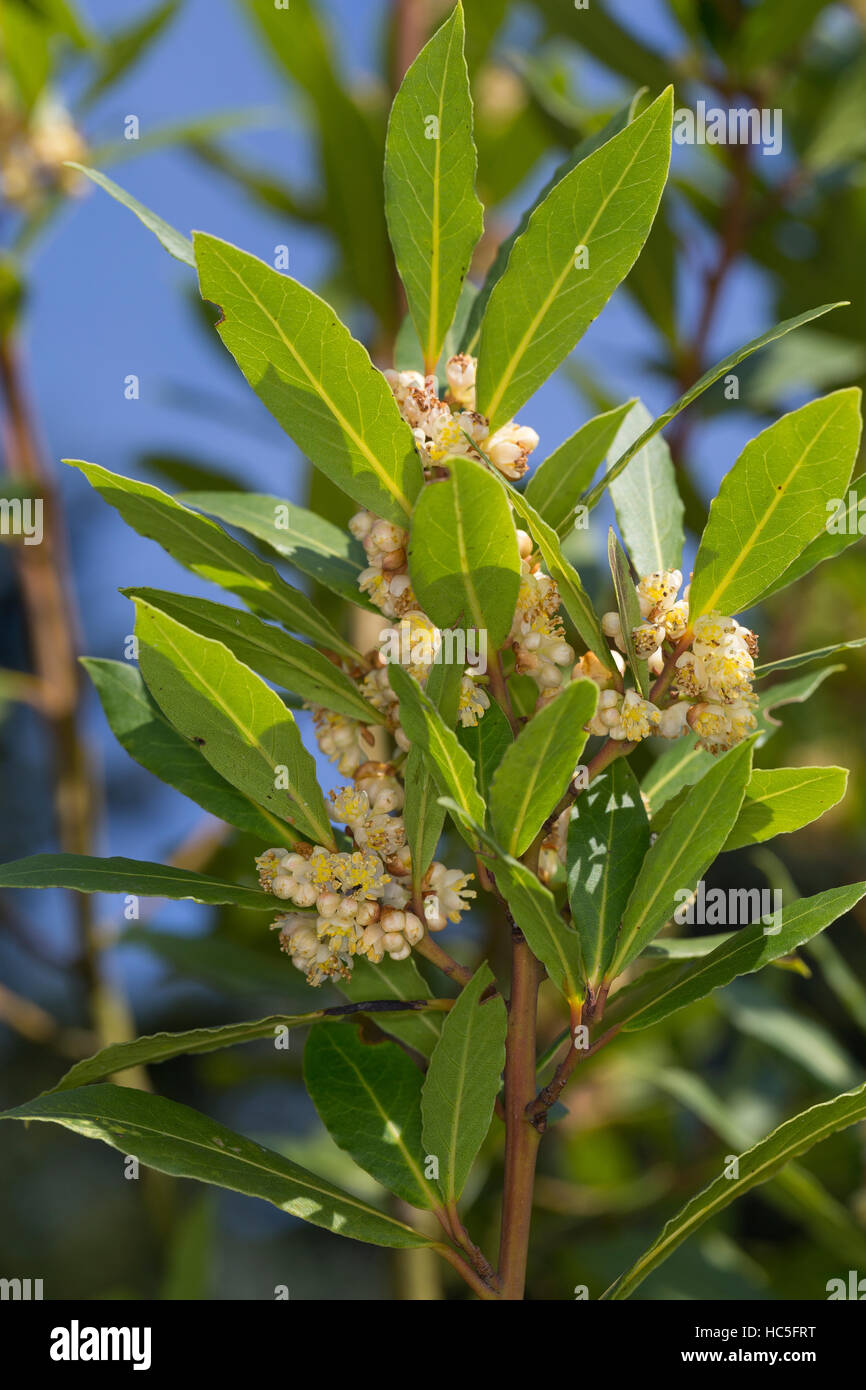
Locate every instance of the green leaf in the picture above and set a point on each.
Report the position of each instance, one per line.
(124, 47)
(536, 770)
(369, 1100)
(314, 546)
(681, 854)
(709, 377)
(398, 980)
(449, 763)
(204, 548)
(545, 301)
(463, 556)
(608, 837)
(684, 763)
(177, 1140)
(772, 502)
(316, 380)
(434, 216)
(241, 726)
(141, 728)
(746, 951)
(757, 1165)
(555, 486)
(175, 244)
(574, 598)
(649, 510)
(826, 546)
(787, 663)
(423, 817)
(161, 1047)
(486, 743)
(463, 1081)
(84, 874)
(779, 800)
(550, 938)
(628, 608)
(294, 665)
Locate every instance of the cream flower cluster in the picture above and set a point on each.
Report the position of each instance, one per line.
(32, 157)
(537, 636)
(713, 677)
(360, 896)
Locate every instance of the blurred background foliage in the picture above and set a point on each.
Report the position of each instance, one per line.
(268, 128)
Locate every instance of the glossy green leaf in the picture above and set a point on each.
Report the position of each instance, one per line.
(141, 728)
(536, 770)
(546, 299)
(316, 380)
(747, 950)
(681, 854)
(434, 216)
(463, 556)
(204, 548)
(788, 663)
(556, 484)
(85, 874)
(423, 817)
(628, 608)
(186, 1144)
(709, 377)
(757, 1165)
(241, 726)
(402, 982)
(550, 938)
(833, 540)
(649, 510)
(574, 598)
(486, 743)
(608, 837)
(369, 1099)
(782, 799)
(772, 502)
(294, 665)
(314, 546)
(449, 763)
(463, 1081)
(174, 242)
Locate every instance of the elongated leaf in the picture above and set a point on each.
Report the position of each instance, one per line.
(709, 377)
(646, 499)
(284, 660)
(423, 817)
(369, 1100)
(204, 548)
(547, 297)
(314, 378)
(608, 837)
(486, 743)
(313, 545)
(826, 546)
(556, 485)
(628, 608)
(402, 982)
(746, 951)
(779, 800)
(449, 763)
(550, 939)
(463, 1081)
(575, 600)
(757, 1165)
(241, 726)
(175, 244)
(434, 216)
(684, 763)
(472, 332)
(463, 556)
(537, 768)
(175, 1139)
(85, 874)
(161, 1047)
(772, 502)
(142, 729)
(787, 663)
(683, 851)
